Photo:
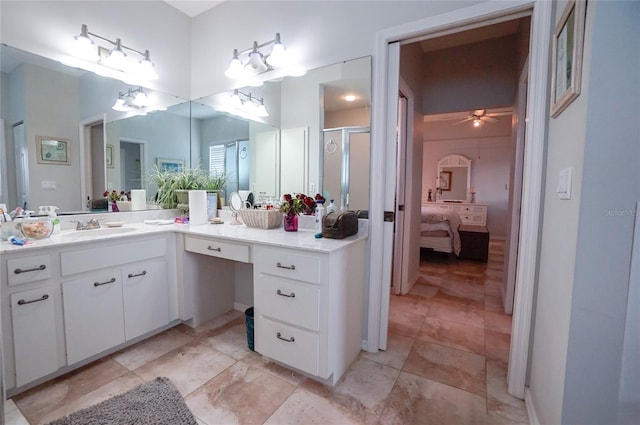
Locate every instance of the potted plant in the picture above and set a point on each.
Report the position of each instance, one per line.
(214, 183)
(174, 186)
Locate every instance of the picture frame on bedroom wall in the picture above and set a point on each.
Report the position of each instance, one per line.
(568, 42)
(445, 181)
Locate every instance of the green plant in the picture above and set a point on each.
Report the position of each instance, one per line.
(169, 181)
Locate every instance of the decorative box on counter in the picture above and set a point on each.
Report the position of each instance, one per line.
(339, 225)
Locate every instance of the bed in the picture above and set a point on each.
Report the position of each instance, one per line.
(439, 230)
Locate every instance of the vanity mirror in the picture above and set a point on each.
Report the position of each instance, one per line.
(454, 178)
(268, 155)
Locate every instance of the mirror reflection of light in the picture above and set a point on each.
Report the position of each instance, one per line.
(350, 98)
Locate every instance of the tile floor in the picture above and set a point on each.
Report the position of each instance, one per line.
(446, 363)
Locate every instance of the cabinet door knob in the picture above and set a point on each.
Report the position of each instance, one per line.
(291, 267)
(142, 273)
(96, 284)
(23, 302)
(40, 267)
(291, 295)
(291, 339)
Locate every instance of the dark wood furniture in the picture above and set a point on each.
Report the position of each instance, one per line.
(474, 242)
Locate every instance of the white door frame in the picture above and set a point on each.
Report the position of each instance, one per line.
(84, 136)
(537, 106)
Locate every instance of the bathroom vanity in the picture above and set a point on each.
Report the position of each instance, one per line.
(71, 299)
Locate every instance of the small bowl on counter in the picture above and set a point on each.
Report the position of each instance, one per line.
(36, 228)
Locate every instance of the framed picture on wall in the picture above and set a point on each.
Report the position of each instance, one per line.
(445, 180)
(568, 41)
(52, 150)
(165, 164)
(108, 158)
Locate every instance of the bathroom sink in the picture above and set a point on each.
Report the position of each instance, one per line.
(88, 234)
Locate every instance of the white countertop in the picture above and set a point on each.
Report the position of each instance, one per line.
(302, 239)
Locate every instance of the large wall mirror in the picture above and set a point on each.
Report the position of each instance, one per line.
(454, 178)
(108, 149)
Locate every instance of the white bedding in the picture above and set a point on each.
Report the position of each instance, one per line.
(436, 219)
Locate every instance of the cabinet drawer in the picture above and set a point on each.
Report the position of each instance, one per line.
(217, 248)
(472, 219)
(34, 334)
(288, 263)
(94, 258)
(28, 269)
(292, 346)
(288, 301)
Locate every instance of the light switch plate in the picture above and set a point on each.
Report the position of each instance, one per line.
(48, 184)
(564, 183)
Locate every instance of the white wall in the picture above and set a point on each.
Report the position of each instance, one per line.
(585, 248)
(316, 32)
(47, 28)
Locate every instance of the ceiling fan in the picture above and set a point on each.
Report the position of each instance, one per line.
(480, 115)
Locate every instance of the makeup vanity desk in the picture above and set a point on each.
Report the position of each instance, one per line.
(307, 293)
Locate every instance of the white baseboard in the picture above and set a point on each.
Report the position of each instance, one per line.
(531, 408)
(240, 307)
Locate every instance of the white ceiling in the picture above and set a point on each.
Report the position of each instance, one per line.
(193, 8)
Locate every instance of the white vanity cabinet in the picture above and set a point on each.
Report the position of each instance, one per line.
(93, 314)
(34, 333)
(308, 308)
(121, 302)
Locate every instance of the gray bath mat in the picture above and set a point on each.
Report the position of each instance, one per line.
(153, 403)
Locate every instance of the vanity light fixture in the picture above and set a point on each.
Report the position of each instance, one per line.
(252, 61)
(131, 100)
(114, 55)
(246, 104)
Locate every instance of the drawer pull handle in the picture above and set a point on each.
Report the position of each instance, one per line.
(218, 249)
(291, 267)
(142, 273)
(279, 336)
(291, 295)
(35, 269)
(96, 284)
(23, 302)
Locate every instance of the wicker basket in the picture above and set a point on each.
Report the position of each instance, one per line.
(261, 219)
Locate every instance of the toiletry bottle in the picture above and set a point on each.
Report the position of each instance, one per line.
(332, 207)
(319, 215)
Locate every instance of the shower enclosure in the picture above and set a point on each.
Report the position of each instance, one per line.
(345, 167)
(236, 165)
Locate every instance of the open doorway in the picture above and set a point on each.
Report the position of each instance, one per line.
(131, 164)
(381, 234)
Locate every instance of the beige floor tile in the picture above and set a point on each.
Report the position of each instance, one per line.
(211, 324)
(150, 349)
(467, 294)
(242, 394)
(410, 303)
(231, 339)
(395, 355)
(49, 396)
(497, 345)
(289, 375)
(115, 387)
(499, 401)
(304, 407)
(12, 415)
(417, 400)
(460, 313)
(452, 334)
(362, 391)
(449, 366)
(423, 289)
(497, 321)
(404, 323)
(188, 367)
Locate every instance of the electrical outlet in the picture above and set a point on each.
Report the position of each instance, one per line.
(48, 184)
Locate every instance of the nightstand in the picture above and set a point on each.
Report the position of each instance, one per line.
(474, 242)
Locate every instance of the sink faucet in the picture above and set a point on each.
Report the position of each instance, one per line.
(91, 224)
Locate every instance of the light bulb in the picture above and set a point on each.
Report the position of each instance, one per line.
(476, 122)
(278, 57)
(235, 69)
(234, 100)
(121, 106)
(350, 98)
(145, 68)
(140, 99)
(85, 47)
(255, 64)
(261, 111)
(116, 58)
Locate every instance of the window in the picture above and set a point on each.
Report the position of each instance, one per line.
(216, 160)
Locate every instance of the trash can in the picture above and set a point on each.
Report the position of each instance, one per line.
(248, 316)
